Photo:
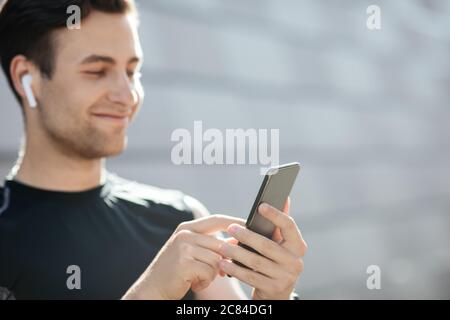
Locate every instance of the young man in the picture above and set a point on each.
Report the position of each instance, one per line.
(69, 229)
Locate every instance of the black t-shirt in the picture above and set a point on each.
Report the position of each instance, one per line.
(101, 239)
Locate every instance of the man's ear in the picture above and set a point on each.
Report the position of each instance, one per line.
(26, 80)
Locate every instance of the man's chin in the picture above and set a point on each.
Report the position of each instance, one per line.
(114, 153)
(116, 150)
(109, 150)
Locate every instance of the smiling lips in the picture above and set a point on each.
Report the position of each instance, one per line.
(120, 119)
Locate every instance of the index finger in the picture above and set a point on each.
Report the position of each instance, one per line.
(210, 224)
(277, 237)
(293, 240)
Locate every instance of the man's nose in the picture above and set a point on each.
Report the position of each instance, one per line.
(124, 92)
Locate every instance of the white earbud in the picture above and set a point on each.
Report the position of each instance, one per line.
(26, 83)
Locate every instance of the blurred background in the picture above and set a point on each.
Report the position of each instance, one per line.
(365, 112)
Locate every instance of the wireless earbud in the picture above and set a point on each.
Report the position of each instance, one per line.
(26, 83)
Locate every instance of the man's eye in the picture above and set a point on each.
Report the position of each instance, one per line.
(99, 73)
(135, 75)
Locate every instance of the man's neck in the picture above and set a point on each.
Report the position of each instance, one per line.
(43, 166)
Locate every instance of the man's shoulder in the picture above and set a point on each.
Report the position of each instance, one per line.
(144, 194)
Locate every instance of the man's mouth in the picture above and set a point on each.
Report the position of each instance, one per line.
(119, 119)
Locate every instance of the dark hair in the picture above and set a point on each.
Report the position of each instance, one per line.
(26, 28)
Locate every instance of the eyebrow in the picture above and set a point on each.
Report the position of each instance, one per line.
(97, 58)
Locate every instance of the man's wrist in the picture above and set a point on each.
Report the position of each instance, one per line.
(142, 291)
(292, 296)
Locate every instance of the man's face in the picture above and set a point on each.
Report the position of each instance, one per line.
(95, 90)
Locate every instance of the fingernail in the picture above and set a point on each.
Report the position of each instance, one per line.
(233, 229)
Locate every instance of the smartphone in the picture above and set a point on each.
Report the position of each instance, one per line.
(274, 190)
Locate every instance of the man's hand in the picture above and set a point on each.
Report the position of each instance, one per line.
(188, 260)
(272, 274)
